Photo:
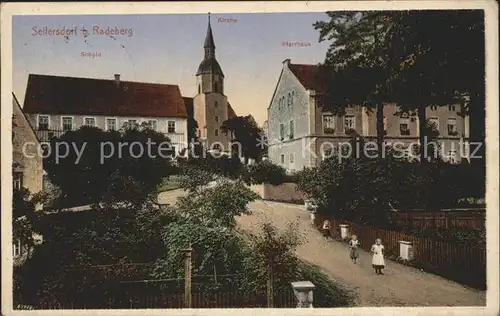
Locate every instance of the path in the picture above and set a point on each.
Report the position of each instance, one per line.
(400, 286)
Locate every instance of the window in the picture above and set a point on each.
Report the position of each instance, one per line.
(67, 123)
(216, 118)
(173, 150)
(132, 124)
(349, 123)
(153, 124)
(451, 108)
(216, 104)
(434, 121)
(452, 156)
(216, 147)
(328, 123)
(327, 152)
(282, 131)
(89, 121)
(216, 132)
(385, 123)
(292, 158)
(17, 180)
(17, 248)
(289, 101)
(404, 127)
(452, 127)
(111, 124)
(282, 159)
(171, 126)
(43, 122)
(199, 88)
(292, 130)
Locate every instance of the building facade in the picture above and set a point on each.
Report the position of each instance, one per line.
(301, 134)
(27, 167)
(57, 104)
(27, 162)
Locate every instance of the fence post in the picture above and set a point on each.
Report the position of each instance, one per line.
(303, 291)
(187, 270)
(270, 286)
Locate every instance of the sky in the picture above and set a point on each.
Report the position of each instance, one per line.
(168, 48)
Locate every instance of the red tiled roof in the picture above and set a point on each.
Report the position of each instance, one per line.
(309, 76)
(86, 96)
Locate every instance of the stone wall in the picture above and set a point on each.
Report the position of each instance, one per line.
(285, 192)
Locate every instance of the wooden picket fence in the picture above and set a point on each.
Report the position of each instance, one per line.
(460, 262)
(447, 219)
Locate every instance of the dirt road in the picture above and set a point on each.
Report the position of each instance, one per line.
(400, 286)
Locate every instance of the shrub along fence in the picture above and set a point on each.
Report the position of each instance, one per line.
(457, 261)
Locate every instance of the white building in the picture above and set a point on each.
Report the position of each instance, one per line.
(57, 104)
(300, 134)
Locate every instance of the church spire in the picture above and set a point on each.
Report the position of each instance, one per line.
(209, 64)
(209, 41)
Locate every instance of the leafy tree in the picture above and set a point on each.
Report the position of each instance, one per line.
(402, 57)
(273, 252)
(361, 189)
(247, 134)
(265, 172)
(110, 165)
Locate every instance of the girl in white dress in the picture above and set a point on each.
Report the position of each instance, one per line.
(378, 262)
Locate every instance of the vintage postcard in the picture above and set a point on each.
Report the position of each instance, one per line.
(284, 158)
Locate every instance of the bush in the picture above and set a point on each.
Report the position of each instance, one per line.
(266, 172)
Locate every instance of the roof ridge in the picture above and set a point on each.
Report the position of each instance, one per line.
(102, 79)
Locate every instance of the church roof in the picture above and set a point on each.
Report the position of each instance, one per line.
(209, 65)
(47, 94)
(309, 76)
(209, 39)
(230, 111)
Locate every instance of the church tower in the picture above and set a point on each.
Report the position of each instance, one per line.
(210, 105)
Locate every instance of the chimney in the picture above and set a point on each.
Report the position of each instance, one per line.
(117, 79)
(286, 62)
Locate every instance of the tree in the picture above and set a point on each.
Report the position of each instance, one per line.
(247, 134)
(91, 165)
(355, 66)
(274, 254)
(23, 218)
(405, 55)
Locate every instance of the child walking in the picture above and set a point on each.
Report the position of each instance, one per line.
(326, 229)
(378, 256)
(354, 245)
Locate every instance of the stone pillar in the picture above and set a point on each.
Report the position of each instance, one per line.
(405, 250)
(304, 293)
(344, 231)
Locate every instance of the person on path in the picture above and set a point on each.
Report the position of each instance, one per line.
(326, 229)
(378, 262)
(354, 245)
